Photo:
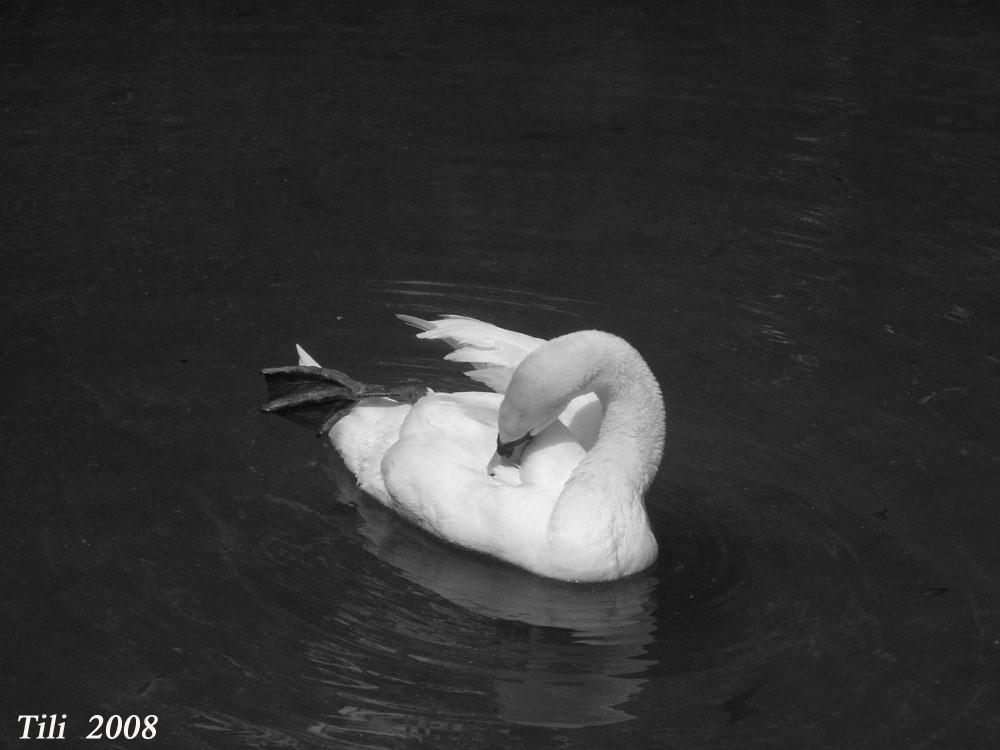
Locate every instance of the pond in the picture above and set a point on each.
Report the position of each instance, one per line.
(793, 214)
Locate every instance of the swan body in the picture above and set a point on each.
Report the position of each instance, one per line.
(548, 472)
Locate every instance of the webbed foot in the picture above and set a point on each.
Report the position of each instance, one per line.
(322, 396)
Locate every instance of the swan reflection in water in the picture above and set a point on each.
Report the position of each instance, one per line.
(564, 654)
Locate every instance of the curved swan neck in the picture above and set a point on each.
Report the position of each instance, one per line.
(630, 440)
(599, 528)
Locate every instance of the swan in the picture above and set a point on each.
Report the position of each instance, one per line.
(548, 472)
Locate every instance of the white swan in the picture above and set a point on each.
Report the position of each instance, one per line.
(549, 477)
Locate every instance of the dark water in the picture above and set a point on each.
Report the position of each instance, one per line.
(794, 213)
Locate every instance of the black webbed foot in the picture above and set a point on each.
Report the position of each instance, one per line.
(319, 396)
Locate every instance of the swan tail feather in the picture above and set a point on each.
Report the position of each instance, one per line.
(321, 396)
(305, 358)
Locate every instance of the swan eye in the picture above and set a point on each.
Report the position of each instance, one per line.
(506, 449)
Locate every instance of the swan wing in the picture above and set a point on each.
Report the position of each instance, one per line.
(435, 475)
(494, 352)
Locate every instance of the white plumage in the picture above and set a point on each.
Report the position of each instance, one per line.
(591, 414)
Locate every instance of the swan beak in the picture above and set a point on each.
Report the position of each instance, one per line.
(497, 462)
(508, 454)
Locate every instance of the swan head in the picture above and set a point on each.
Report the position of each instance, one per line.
(515, 429)
(541, 387)
(510, 450)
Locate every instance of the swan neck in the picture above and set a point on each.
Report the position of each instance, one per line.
(630, 439)
(600, 520)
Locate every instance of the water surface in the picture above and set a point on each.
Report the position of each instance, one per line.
(793, 213)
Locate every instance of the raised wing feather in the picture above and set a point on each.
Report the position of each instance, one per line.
(494, 351)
